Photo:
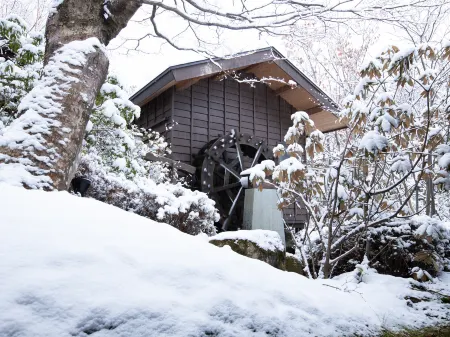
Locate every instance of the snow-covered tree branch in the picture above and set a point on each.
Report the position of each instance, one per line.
(397, 118)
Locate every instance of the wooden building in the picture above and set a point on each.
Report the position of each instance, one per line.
(220, 121)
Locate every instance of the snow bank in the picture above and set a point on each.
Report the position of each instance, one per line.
(75, 267)
(268, 240)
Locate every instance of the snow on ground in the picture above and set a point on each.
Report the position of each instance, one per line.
(76, 267)
(268, 240)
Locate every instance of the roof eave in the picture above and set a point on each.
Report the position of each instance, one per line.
(158, 83)
(210, 67)
(183, 71)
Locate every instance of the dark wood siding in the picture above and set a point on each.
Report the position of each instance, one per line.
(210, 108)
(157, 114)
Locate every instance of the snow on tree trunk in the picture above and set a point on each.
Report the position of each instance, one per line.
(39, 149)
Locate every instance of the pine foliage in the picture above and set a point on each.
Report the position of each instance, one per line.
(21, 55)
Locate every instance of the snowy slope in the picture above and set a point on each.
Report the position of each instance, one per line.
(76, 267)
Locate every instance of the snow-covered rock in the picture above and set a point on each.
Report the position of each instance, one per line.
(263, 245)
(267, 240)
(72, 266)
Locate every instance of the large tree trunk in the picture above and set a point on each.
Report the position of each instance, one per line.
(40, 147)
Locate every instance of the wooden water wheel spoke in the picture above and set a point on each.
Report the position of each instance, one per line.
(239, 154)
(232, 209)
(223, 161)
(220, 175)
(226, 187)
(229, 169)
(258, 154)
(227, 180)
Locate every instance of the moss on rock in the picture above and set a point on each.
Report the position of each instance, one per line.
(293, 264)
(275, 257)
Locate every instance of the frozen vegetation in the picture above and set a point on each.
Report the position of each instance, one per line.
(121, 262)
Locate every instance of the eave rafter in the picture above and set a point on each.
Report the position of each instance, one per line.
(283, 89)
(314, 110)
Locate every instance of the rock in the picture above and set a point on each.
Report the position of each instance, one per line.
(428, 261)
(262, 245)
(413, 299)
(420, 275)
(293, 264)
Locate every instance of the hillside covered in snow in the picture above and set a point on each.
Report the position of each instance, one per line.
(78, 267)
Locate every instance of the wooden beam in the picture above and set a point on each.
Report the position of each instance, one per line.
(254, 67)
(314, 110)
(336, 129)
(248, 69)
(282, 89)
(187, 83)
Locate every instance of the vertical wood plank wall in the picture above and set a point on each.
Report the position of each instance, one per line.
(157, 113)
(210, 108)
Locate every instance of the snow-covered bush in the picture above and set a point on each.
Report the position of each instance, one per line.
(113, 159)
(397, 247)
(21, 55)
(191, 212)
(116, 143)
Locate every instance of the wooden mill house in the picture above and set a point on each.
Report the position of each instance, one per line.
(220, 121)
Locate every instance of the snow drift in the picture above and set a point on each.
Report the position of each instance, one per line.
(76, 267)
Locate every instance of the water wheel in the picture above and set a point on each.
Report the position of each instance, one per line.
(219, 174)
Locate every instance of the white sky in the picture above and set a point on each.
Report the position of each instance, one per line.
(135, 69)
